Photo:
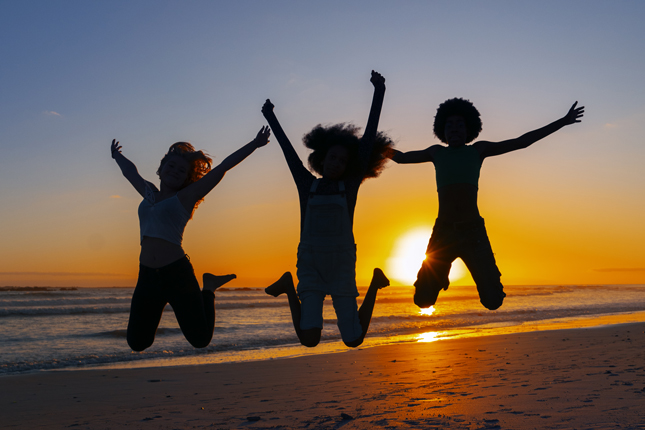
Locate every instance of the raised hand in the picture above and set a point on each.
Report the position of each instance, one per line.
(115, 147)
(573, 114)
(267, 107)
(377, 80)
(263, 136)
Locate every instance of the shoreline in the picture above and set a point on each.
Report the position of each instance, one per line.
(566, 378)
(334, 347)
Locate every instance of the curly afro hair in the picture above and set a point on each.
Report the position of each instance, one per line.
(459, 107)
(322, 138)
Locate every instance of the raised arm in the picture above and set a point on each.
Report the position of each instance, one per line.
(489, 149)
(377, 103)
(196, 191)
(128, 169)
(293, 161)
(367, 141)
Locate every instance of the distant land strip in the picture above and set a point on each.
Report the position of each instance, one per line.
(61, 274)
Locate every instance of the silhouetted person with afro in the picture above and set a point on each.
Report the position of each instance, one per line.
(327, 252)
(459, 229)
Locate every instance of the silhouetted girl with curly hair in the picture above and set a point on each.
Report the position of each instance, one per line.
(327, 252)
(165, 272)
(459, 230)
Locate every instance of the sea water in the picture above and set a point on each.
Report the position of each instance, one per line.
(53, 328)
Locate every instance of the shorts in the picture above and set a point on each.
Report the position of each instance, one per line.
(469, 242)
(311, 305)
(332, 270)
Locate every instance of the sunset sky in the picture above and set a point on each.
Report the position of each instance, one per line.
(76, 74)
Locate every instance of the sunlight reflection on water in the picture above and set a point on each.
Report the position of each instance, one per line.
(427, 311)
(500, 328)
(431, 336)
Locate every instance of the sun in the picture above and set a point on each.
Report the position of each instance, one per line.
(409, 252)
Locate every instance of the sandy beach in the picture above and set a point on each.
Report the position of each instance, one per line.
(561, 379)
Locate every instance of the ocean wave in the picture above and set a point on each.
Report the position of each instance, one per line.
(113, 306)
(62, 302)
(402, 324)
(122, 333)
(80, 310)
(81, 361)
(45, 311)
(11, 288)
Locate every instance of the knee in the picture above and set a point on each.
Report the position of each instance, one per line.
(426, 294)
(492, 303)
(355, 343)
(138, 345)
(310, 338)
(200, 341)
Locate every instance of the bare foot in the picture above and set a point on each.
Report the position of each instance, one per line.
(282, 285)
(379, 280)
(213, 282)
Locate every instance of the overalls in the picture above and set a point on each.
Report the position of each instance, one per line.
(327, 252)
(327, 262)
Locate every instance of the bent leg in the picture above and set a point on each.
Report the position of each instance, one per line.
(311, 318)
(379, 280)
(213, 282)
(480, 260)
(433, 275)
(194, 308)
(308, 336)
(146, 308)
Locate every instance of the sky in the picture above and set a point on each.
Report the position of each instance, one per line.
(76, 74)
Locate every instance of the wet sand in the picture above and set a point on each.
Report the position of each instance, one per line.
(592, 378)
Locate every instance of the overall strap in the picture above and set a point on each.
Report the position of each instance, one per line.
(314, 186)
(341, 188)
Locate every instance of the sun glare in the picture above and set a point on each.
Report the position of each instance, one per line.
(408, 254)
(426, 311)
(429, 336)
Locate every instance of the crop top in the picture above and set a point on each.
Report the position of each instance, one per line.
(457, 165)
(166, 219)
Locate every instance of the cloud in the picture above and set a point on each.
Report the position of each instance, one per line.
(51, 113)
(611, 125)
(116, 196)
(622, 269)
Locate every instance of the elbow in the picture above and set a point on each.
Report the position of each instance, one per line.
(396, 156)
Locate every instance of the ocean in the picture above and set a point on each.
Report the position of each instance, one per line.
(54, 328)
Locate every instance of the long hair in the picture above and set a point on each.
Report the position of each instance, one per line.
(200, 163)
(323, 138)
(457, 107)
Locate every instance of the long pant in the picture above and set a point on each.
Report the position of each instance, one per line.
(174, 284)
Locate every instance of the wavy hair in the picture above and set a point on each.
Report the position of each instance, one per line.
(457, 107)
(322, 138)
(200, 162)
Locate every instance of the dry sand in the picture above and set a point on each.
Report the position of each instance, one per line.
(562, 379)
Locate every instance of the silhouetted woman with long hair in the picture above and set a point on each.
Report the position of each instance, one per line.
(165, 272)
(459, 230)
(327, 252)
